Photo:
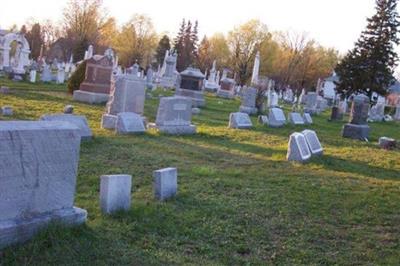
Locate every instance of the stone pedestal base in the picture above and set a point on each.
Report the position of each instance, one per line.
(248, 110)
(108, 121)
(360, 132)
(21, 230)
(175, 130)
(90, 97)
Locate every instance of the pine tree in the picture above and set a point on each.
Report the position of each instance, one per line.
(35, 39)
(194, 41)
(369, 66)
(204, 61)
(178, 42)
(163, 46)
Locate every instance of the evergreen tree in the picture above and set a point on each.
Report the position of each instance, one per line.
(204, 61)
(178, 42)
(163, 46)
(369, 67)
(194, 41)
(35, 39)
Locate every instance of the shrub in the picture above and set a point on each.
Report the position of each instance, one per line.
(77, 78)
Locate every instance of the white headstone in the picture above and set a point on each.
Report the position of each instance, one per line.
(115, 193)
(7, 111)
(240, 121)
(276, 117)
(307, 119)
(296, 118)
(298, 149)
(313, 142)
(263, 120)
(130, 123)
(165, 183)
(79, 121)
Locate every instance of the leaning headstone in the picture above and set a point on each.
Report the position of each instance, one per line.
(298, 149)
(165, 183)
(39, 165)
(295, 118)
(307, 119)
(79, 121)
(358, 127)
(387, 143)
(7, 111)
(263, 120)
(276, 117)
(240, 121)
(115, 193)
(174, 116)
(69, 109)
(249, 101)
(130, 123)
(313, 142)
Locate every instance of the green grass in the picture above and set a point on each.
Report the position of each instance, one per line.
(239, 202)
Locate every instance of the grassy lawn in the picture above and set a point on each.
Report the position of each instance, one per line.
(239, 200)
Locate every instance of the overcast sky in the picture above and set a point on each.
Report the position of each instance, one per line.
(333, 23)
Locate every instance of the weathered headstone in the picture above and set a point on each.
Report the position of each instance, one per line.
(387, 143)
(276, 117)
(263, 120)
(174, 116)
(96, 86)
(313, 142)
(240, 121)
(298, 149)
(307, 119)
(358, 127)
(295, 118)
(7, 111)
(127, 95)
(191, 83)
(115, 193)
(227, 88)
(311, 103)
(39, 165)
(79, 121)
(165, 183)
(377, 112)
(336, 114)
(130, 123)
(249, 101)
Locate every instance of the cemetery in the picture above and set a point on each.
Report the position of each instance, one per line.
(134, 157)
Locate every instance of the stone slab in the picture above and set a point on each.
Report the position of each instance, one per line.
(353, 131)
(90, 97)
(165, 183)
(240, 121)
(298, 149)
(78, 120)
(108, 121)
(115, 193)
(130, 123)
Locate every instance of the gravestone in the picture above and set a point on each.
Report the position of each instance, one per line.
(358, 127)
(46, 76)
(311, 103)
(4, 90)
(211, 84)
(32, 76)
(336, 114)
(377, 112)
(387, 143)
(249, 101)
(165, 183)
(130, 123)
(307, 119)
(263, 120)
(39, 165)
(115, 193)
(174, 116)
(240, 121)
(227, 89)
(298, 149)
(7, 111)
(313, 142)
(276, 117)
(396, 116)
(196, 111)
(295, 118)
(127, 95)
(79, 121)
(191, 83)
(69, 109)
(97, 84)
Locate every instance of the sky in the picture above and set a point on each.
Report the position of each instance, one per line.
(332, 23)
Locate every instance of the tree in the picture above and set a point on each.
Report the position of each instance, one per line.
(163, 46)
(369, 66)
(186, 45)
(35, 39)
(82, 20)
(204, 59)
(244, 42)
